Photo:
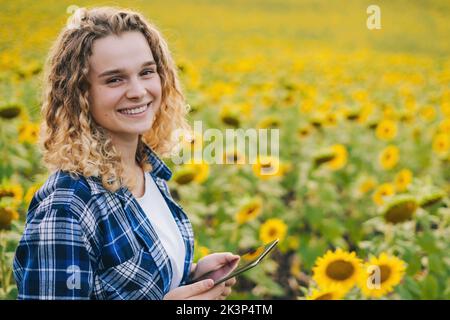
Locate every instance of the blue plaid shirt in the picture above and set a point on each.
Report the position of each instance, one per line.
(83, 242)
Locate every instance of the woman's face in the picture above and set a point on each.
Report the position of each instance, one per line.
(125, 91)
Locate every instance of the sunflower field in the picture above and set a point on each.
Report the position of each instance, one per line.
(362, 189)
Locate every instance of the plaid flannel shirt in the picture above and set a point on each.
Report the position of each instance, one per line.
(83, 242)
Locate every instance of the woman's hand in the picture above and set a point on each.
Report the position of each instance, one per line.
(201, 290)
(221, 264)
(216, 266)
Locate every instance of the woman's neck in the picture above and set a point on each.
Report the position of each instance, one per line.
(127, 148)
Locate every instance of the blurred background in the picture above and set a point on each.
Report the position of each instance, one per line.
(364, 120)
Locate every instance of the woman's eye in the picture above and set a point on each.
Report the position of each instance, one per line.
(113, 80)
(147, 72)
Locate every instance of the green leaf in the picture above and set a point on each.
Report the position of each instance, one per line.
(430, 288)
(414, 264)
(436, 264)
(331, 229)
(428, 243)
(413, 287)
(404, 293)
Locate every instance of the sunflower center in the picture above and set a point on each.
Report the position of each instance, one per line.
(340, 270)
(267, 167)
(401, 212)
(251, 210)
(6, 193)
(272, 232)
(385, 272)
(266, 164)
(185, 178)
(326, 296)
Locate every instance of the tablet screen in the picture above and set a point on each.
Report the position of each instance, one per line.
(249, 260)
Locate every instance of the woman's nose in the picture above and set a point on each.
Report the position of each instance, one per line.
(136, 89)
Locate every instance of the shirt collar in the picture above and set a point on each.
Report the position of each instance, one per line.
(159, 169)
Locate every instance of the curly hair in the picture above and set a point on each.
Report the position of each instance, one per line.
(70, 139)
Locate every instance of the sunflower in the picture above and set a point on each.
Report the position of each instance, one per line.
(316, 120)
(389, 112)
(201, 170)
(304, 131)
(267, 167)
(233, 113)
(441, 144)
(252, 254)
(203, 251)
(386, 130)
(272, 229)
(382, 191)
(13, 191)
(403, 180)
(366, 111)
(307, 106)
(444, 126)
(337, 270)
(10, 110)
(323, 156)
(399, 209)
(351, 114)
(381, 274)
(293, 242)
(249, 211)
(184, 175)
(445, 108)
(367, 184)
(7, 215)
(269, 122)
(389, 157)
(431, 198)
(218, 89)
(330, 120)
(340, 157)
(31, 191)
(28, 132)
(407, 117)
(325, 295)
(427, 113)
(233, 157)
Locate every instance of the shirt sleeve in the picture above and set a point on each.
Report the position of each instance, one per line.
(52, 260)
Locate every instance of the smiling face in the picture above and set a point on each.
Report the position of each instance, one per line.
(125, 87)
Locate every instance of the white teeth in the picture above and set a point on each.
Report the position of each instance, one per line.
(135, 110)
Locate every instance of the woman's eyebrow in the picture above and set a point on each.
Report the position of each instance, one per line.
(116, 71)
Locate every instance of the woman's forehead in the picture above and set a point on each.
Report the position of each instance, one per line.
(126, 51)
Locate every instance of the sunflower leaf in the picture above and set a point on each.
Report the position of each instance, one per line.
(430, 288)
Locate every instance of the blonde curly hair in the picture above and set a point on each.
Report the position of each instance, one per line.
(70, 139)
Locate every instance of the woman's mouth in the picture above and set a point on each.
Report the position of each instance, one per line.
(136, 111)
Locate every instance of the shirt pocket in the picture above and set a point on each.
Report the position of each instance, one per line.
(134, 279)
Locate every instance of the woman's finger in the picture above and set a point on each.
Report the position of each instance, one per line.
(226, 292)
(198, 287)
(230, 282)
(212, 294)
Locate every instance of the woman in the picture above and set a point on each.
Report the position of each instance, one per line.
(104, 225)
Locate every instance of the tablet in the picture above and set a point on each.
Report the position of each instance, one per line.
(247, 262)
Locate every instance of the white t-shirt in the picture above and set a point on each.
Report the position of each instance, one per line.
(162, 220)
